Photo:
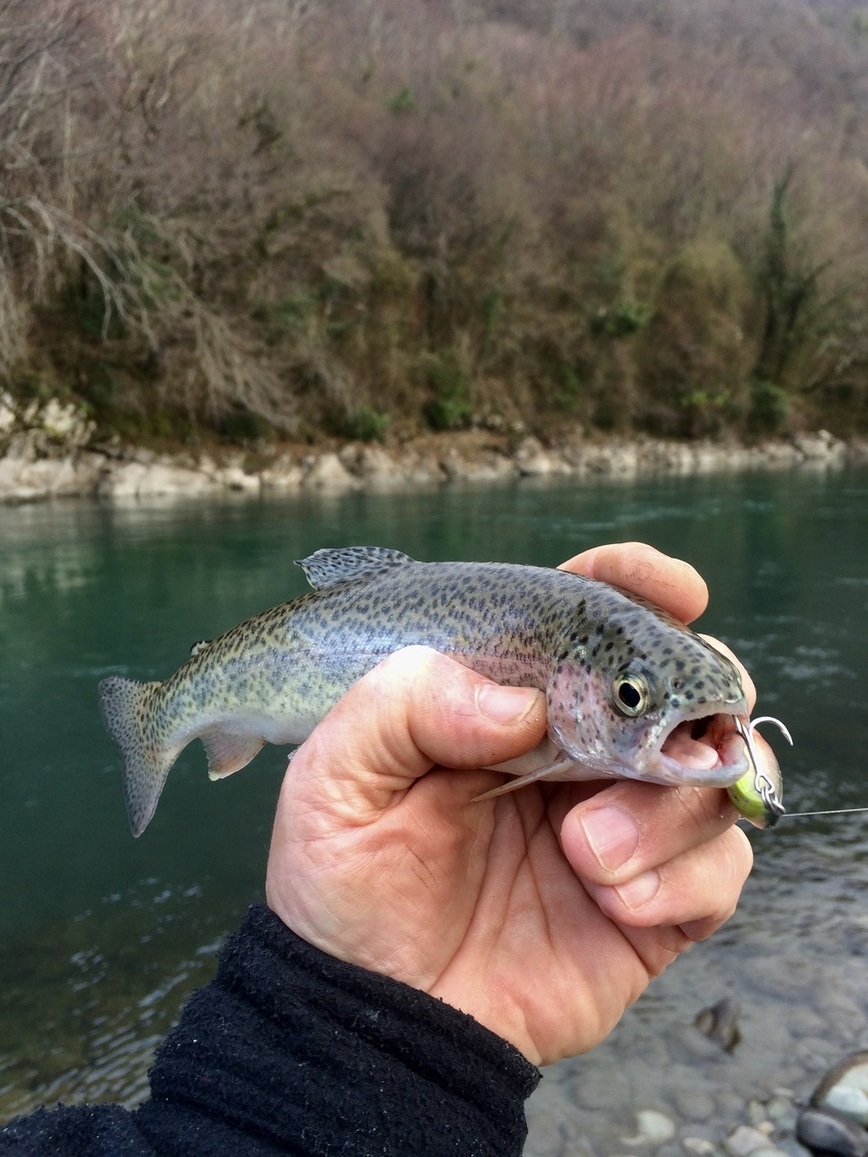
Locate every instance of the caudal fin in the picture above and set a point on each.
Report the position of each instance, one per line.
(124, 704)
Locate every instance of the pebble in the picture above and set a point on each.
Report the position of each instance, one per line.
(654, 1128)
(694, 1104)
(719, 1023)
(699, 1145)
(746, 1140)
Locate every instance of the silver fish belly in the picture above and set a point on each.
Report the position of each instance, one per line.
(630, 692)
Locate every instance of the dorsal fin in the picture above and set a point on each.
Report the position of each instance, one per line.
(328, 567)
(200, 646)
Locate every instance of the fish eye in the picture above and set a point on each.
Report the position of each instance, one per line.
(631, 694)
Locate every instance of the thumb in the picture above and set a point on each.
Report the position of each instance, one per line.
(415, 710)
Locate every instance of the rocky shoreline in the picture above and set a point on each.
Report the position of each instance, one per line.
(49, 453)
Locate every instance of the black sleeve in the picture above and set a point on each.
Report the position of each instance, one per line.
(289, 1051)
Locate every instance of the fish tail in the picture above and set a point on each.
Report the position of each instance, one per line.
(125, 709)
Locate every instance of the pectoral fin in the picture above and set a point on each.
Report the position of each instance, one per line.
(556, 764)
(229, 751)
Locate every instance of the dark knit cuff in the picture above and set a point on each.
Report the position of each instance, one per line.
(319, 1056)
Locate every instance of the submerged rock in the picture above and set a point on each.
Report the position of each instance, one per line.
(826, 1131)
(746, 1140)
(653, 1128)
(836, 1120)
(720, 1023)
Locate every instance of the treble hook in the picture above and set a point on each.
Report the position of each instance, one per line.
(763, 785)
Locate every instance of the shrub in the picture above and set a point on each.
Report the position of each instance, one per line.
(769, 407)
(366, 424)
(450, 408)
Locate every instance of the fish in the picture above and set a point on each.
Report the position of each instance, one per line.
(630, 691)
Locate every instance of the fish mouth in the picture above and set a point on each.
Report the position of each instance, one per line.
(719, 750)
(704, 750)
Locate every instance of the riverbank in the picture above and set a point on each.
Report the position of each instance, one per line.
(55, 458)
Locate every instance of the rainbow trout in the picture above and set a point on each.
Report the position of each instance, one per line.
(630, 691)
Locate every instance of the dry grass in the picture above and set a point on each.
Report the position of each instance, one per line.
(305, 212)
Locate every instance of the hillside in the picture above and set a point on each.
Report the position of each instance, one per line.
(362, 218)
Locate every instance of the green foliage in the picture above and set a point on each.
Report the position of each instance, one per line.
(402, 103)
(570, 392)
(493, 308)
(88, 312)
(706, 411)
(366, 424)
(788, 285)
(241, 425)
(623, 319)
(769, 407)
(287, 313)
(706, 269)
(450, 408)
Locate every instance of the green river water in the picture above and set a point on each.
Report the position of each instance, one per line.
(101, 935)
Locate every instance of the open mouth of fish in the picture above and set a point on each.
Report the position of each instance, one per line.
(722, 749)
(704, 750)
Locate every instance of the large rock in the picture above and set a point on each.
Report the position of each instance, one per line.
(836, 1119)
(125, 481)
(482, 466)
(374, 466)
(845, 1088)
(821, 448)
(283, 474)
(533, 461)
(328, 473)
(30, 479)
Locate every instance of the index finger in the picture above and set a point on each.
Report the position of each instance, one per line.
(637, 567)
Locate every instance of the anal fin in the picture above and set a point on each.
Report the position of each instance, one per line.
(229, 751)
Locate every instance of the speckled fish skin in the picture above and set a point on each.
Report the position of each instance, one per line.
(273, 677)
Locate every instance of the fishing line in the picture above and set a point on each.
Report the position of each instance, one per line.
(841, 811)
(747, 735)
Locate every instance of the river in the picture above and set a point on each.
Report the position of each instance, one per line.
(101, 935)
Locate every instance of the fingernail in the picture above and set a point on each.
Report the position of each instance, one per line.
(612, 834)
(505, 704)
(639, 890)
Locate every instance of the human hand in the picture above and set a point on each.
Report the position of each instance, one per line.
(542, 913)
